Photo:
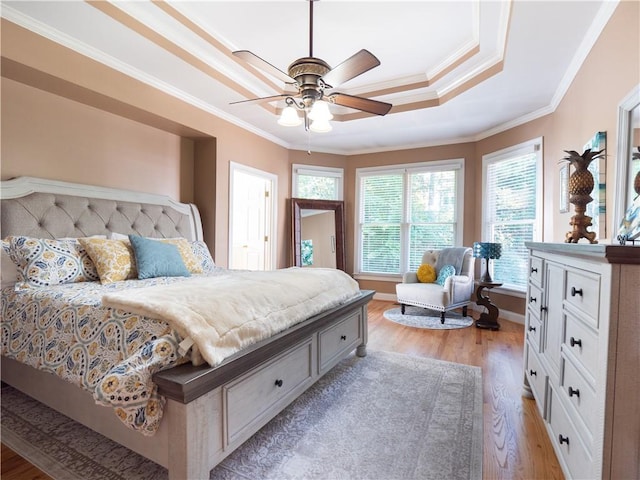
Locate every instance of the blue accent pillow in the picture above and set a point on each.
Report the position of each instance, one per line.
(444, 273)
(157, 259)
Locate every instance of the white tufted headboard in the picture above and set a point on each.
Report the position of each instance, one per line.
(52, 209)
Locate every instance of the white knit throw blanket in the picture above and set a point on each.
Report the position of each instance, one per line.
(225, 313)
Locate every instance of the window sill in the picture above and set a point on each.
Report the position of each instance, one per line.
(395, 278)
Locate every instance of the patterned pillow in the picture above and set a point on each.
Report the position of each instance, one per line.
(8, 269)
(426, 273)
(203, 256)
(113, 259)
(445, 272)
(43, 262)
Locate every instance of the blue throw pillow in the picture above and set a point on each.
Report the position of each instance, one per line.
(157, 259)
(444, 273)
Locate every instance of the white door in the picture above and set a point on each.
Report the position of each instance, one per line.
(251, 219)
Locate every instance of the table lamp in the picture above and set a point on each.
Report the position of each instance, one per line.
(487, 251)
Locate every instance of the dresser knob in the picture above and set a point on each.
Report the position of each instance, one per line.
(279, 382)
(573, 342)
(534, 270)
(532, 299)
(563, 439)
(532, 329)
(575, 292)
(343, 337)
(533, 373)
(573, 392)
(543, 309)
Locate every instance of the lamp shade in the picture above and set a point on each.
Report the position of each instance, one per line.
(320, 111)
(320, 126)
(289, 117)
(487, 250)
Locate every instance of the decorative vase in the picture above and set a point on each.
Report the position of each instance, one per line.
(581, 185)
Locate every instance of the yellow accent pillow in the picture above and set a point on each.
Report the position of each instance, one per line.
(114, 259)
(426, 273)
(186, 252)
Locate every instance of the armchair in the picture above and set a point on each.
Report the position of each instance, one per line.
(456, 291)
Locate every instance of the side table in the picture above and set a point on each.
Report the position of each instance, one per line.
(488, 319)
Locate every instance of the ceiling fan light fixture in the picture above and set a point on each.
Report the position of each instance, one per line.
(320, 111)
(289, 117)
(320, 126)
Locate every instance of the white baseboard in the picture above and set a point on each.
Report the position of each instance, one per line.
(504, 314)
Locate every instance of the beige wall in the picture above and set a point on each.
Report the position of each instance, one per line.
(67, 117)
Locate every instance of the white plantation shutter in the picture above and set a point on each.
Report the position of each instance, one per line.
(512, 209)
(403, 212)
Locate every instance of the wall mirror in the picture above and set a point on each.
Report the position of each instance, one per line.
(317, 228)
(627, 167)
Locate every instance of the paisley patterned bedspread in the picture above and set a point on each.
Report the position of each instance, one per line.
(64, 330)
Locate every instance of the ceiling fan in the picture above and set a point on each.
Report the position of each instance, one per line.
(312, 76)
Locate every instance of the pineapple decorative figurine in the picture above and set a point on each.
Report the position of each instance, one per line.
(580, 187)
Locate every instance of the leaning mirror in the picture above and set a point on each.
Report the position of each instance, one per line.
(317, 228)
(627, 202)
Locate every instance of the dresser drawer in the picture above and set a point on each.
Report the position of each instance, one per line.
(581, 342)
(583, 293)
(569, 445)
(253, 399)
(580, 395)
(534, 300)
(534, 331)
(535, 271)
(537, 378)
(337, 340)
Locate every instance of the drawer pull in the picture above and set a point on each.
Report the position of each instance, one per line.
(533, 373)
(532, 329)
(534, 270)
(573, 342)
(279, 383)
(562, 439)
(533, 299)
(575, 292)
(543, 309)
(573, 392)
(343, 337)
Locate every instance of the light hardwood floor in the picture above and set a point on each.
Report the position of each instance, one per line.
(516, 445)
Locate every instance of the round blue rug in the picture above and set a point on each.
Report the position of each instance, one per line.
(423, 318)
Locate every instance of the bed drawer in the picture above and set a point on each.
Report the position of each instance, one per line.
(256, 397)
(335, 341)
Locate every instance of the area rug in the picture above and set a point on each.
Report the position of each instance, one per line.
(386, 416)
(425, 318)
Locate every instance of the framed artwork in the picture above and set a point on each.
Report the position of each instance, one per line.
(597, 209)
(564, 188)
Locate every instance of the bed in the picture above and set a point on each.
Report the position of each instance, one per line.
(207, 411)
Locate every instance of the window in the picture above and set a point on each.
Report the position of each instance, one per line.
(324, 183)
(404, 211)
(512, 201)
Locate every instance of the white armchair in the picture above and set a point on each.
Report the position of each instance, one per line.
(456, 291)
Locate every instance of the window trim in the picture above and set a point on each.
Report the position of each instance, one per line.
(457, 164)
(535, 145)
(319, 171)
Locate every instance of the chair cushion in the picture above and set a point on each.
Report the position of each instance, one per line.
(426, 273)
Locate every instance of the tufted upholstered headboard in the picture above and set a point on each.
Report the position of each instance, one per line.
(51, 209)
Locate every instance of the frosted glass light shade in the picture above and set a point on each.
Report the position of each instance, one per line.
(320, 126)
(289, 117)
(320, 111)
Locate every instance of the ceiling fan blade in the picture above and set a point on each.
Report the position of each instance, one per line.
(353, 66)
(256, 61)
(263, 99)
(360, 103)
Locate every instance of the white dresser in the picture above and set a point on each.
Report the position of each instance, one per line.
(582, 355)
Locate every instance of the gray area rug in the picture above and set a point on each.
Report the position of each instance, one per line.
(387, 416)
(425, 318)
